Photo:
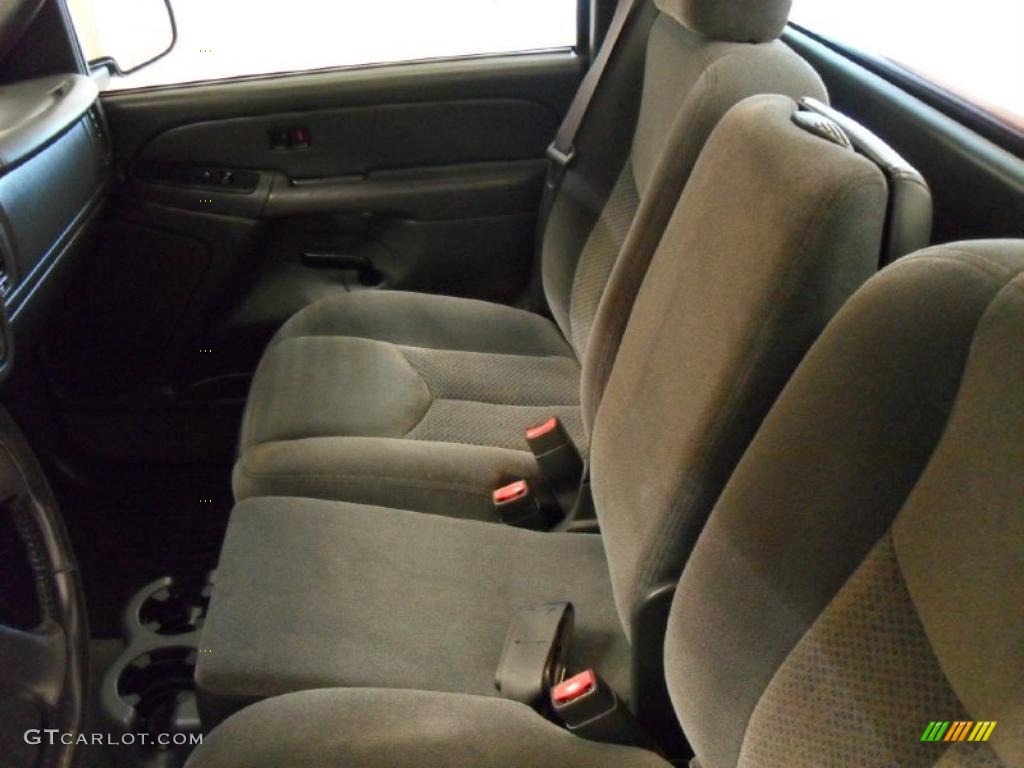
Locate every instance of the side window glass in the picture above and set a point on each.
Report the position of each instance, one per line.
(971, 52)
(218, 39)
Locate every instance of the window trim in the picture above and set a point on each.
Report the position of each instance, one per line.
(960, 109)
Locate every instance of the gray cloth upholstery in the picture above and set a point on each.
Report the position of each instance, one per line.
(429, 477)
(864, 667)
(776, 229)
(725, 314)
(434, 418)
(307, 393)
(732, 73)
(430, 322)
(965, 521)
(402, 729)
(859, 578)
(744, 21)
(602, 251)
(790, 564)
(313, 594)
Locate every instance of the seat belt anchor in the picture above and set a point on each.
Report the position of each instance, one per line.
(534, 655)
(559, 461)
(589, 708)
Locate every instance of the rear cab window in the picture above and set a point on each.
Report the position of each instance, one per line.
(220, 39)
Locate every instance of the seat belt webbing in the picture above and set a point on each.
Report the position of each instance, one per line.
(562, 150)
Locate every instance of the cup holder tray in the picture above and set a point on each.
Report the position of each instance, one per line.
(150, 689)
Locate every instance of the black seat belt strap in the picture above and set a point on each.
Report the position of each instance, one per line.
(563, 148)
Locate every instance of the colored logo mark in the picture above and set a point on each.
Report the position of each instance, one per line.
(958, 730)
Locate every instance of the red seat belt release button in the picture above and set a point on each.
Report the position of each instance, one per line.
(516, 505)
(511, 492)
(541, 430)
(575, 688)
(547, 437)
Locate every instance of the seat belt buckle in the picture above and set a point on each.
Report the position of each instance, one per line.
(559, 462)
(517, 506)
(591, 709)
(533, 657)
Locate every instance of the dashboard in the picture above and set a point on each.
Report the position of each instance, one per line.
(54, 169)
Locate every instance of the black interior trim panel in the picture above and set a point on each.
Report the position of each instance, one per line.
(424, 194)
(545, 79)
(360, 140)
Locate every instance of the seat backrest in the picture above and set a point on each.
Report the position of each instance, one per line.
(908, 227)
(861, 577)
(698, 59)
(776, 229)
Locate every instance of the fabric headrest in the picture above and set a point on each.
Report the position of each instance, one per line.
(740, 21)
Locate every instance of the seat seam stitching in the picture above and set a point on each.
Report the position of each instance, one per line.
(405, 482)
(430, 391)
(555, 356)
(888, 534)
(506, 405)
(413, 347)
(941, 255)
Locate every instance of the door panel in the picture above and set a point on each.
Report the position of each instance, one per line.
(400, 145)
(547, 79)
(359, 140)
(240, 202)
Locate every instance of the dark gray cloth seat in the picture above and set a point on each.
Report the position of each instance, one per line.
(431, 598)
(861, 571)
(859, 578)
(432, 429)
(777, 228)
(392, 398)
(403, 729)
(429, 321)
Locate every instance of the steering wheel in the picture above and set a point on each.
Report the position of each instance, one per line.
(43, 670)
